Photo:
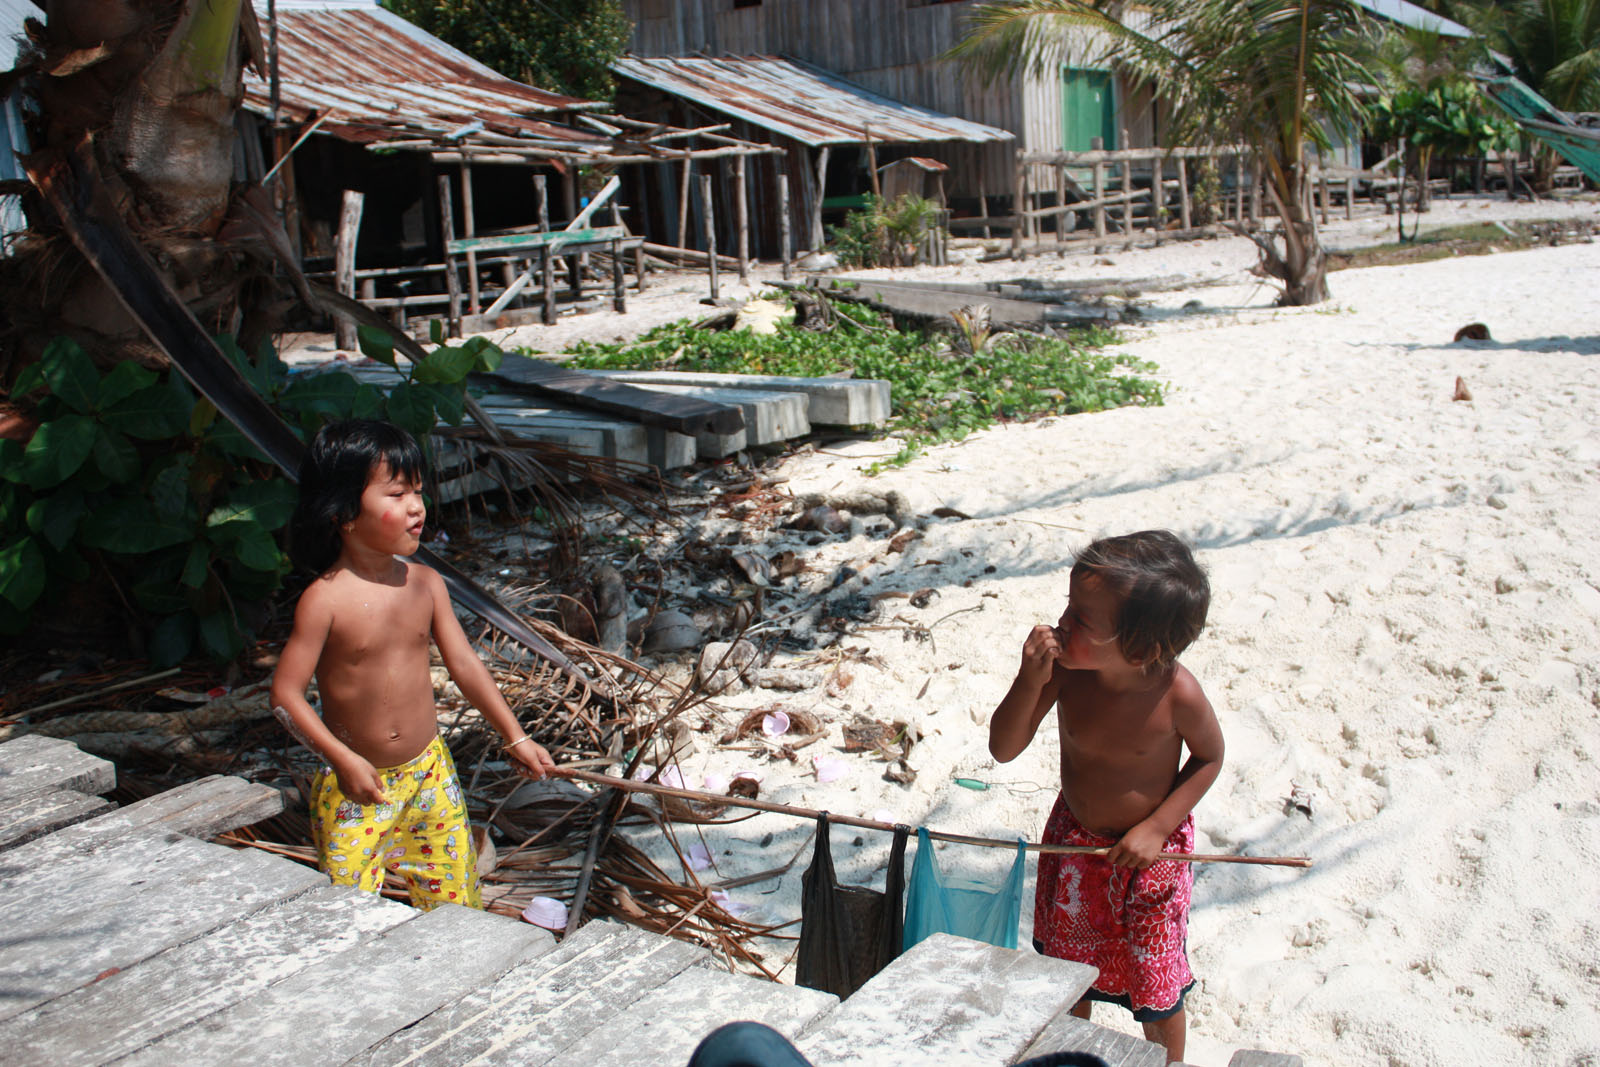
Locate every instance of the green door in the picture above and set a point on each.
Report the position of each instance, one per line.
(1088, 109)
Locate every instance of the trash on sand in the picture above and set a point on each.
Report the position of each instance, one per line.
(829, 769)
(698, 856)
(547, 912)
(775, 724)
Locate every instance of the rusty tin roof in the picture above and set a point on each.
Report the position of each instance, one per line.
(799, 101)
(378, 78)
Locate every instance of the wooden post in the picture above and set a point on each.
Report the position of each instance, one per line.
(1127, 197)
(872, 163)
(1349, 198)
(818, 238)
(471, 230)
(1061, 226)
(344, 264)
(619, 299)
(1185, 212)
(452, 283)
(1322, 185)
(569, 190)
(547, 263)
(711, 230)
(983, 203)
(785, 238)
(1238, 187)
(1018, 206)
(1098, 144)
(741, 218)
(1255, 192)
(683, 199)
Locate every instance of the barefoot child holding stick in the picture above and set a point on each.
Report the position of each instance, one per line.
(388, 798)
(1126, 711)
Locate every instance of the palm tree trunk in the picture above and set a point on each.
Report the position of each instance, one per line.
(153, 86)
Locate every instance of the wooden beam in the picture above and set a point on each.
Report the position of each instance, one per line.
(344, 263)
(680, 414)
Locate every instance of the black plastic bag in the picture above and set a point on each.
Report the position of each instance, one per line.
(848, 933)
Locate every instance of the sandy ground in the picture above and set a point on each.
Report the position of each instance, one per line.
(1406, 600)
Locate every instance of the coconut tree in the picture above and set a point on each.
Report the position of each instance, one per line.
(1278, 76)
(152, 87)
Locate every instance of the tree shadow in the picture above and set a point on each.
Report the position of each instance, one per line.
(1578, 346)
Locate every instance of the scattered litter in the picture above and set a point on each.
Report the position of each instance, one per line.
(829, 769)
(697, 856)
(728, 904)
(775, 724)
(717, 783)
(547, 912)
(972, 783)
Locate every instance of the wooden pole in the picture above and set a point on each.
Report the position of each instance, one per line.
(547, 263)
(1127, 191)
(983, 203)
(619, 282)
(452, 283)
(1322, 186)
(1238, 187)
(785, 237)
(872, 163)
(1098, 144)
(1255, 192)
(344, 264)
(656, 789)
(1184, 208)
(741, 218)
(1349, 198)
(818, 238)
(569, 190)
(1019, 206)
(470, 228)
(1063, 221)
(710, 230)
(683, 200)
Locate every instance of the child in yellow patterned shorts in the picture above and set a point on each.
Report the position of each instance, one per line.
(388, 799)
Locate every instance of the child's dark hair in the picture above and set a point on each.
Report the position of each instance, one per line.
(1163, 590)
(341, 460)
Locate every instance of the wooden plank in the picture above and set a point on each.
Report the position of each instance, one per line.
(542, 1006)
(344, 263)
(24, 818)
(42, 866)
(335, 1009)
(770, 417)
(202, 808)
(69, 939)
(118, 1015)
(852, 402)
(687, 415)
(555, 240)
(1067, 1033)
(31, 764)
(665, 1025)
(950, 1001)
(1249, 1057)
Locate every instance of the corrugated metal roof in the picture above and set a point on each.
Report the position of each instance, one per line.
(799, 101)
(379, 78)
(1420, 18)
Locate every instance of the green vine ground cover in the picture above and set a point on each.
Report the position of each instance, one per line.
(936, 394)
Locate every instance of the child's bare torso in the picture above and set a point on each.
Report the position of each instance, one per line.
(377, 695)
(1119, 750)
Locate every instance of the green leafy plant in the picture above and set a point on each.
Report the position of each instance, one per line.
(936, 394)
(885, 233)
(130, 478)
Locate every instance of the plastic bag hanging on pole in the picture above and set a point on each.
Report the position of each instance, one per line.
(977, 910)
(848, 933)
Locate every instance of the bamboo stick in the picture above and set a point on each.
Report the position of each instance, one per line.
(657, 789)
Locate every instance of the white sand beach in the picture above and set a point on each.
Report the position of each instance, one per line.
(1406, 594)
(1406, 597)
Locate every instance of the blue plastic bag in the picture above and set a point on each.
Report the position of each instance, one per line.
(936, 904)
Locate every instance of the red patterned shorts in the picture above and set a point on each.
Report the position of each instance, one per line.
(1130, 925)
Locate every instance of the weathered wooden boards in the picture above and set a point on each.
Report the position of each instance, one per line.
(128, 942)
(667, 419)
(47, 783)
(950, 1001)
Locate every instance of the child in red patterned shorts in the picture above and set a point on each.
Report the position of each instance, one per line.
(1126, 712)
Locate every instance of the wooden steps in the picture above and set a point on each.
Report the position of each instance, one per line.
(128, 940)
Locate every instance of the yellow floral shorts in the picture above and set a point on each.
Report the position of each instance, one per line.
(420, 832)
